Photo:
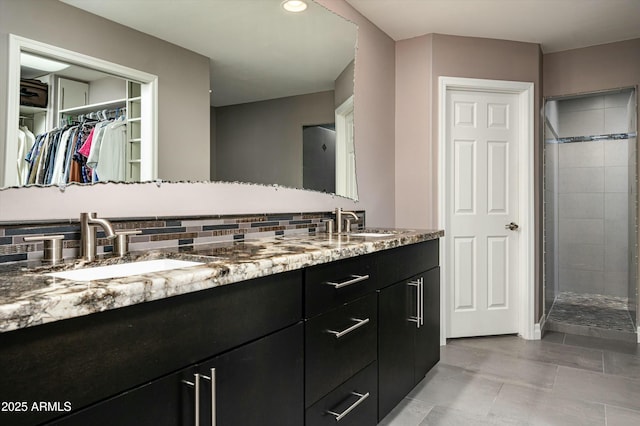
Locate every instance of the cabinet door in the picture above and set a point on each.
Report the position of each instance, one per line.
(396, 307)
(72, 93)
(260, 383)
(169, 401)
(427, 337)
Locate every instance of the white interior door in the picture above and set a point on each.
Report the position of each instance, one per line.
(482, 206)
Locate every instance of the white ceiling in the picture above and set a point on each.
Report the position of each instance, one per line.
(555, 24)
(256, 49)
(239, 35)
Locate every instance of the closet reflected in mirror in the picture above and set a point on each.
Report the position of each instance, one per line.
(78, 124)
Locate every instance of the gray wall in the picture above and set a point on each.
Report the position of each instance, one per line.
(183, 76)
(261, 142)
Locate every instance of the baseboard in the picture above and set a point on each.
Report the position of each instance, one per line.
(538, 328)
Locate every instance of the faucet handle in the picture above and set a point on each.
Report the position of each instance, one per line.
(52, 246)
(121, 241)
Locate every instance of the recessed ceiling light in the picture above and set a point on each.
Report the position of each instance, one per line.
(294, 5)
(40, 63)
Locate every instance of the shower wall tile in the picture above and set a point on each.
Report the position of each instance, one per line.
(581, 206)
(616, 179)
(617, 100)
(616, 120)
(581, 231)
(616, 260)
(584, 257)
(581, 123)
(616, 232)
(550, 164)
(581, 104)
(581, 281)
(615, 284)
(587, 154)
(616, 152)
(616, 207)
(581, 179)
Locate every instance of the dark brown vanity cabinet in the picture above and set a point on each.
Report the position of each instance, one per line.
(408, 330)
(343, 342)
(260, 383)
(129, 364)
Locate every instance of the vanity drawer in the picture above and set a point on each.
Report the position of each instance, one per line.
(338, 344)
(356, 401)
(333, 284)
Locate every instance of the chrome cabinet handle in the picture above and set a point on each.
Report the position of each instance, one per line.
(511, 226)
(340, 416)
(359, 323)
(196, 385)
(354, 279)
(213, 397)
(421, 303)
(419, 317)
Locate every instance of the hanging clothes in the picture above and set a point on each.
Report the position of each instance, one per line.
(74, 153)
(111, 162)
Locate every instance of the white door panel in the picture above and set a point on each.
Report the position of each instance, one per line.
(482, 158)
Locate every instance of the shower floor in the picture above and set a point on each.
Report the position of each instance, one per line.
(591, 315)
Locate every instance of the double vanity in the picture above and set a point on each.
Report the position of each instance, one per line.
(291, 330)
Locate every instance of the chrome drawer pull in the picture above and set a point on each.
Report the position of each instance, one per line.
(340, 416)
(359, 323)
(354, 279)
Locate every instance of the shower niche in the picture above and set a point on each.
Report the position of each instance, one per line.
(590, 215)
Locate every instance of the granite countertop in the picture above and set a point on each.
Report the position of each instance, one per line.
(29, 298)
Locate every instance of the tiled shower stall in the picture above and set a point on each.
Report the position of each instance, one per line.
(590, 214)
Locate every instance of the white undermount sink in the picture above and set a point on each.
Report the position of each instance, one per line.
(123, 269)
(370, 234)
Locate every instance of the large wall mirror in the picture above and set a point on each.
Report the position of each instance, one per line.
(281, 100)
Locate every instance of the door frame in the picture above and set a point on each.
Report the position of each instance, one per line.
(526, 249)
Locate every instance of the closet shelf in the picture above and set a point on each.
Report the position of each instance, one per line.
(24, 109)
(118, 103)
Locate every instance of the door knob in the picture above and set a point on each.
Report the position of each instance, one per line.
(511, 226)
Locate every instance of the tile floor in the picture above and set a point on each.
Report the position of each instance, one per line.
(561, 380)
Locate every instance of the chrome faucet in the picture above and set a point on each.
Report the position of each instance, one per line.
(88, 239)
(339, 220)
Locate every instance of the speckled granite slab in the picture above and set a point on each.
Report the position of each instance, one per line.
(29, 298)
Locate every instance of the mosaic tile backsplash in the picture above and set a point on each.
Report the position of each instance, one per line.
(164, 232)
